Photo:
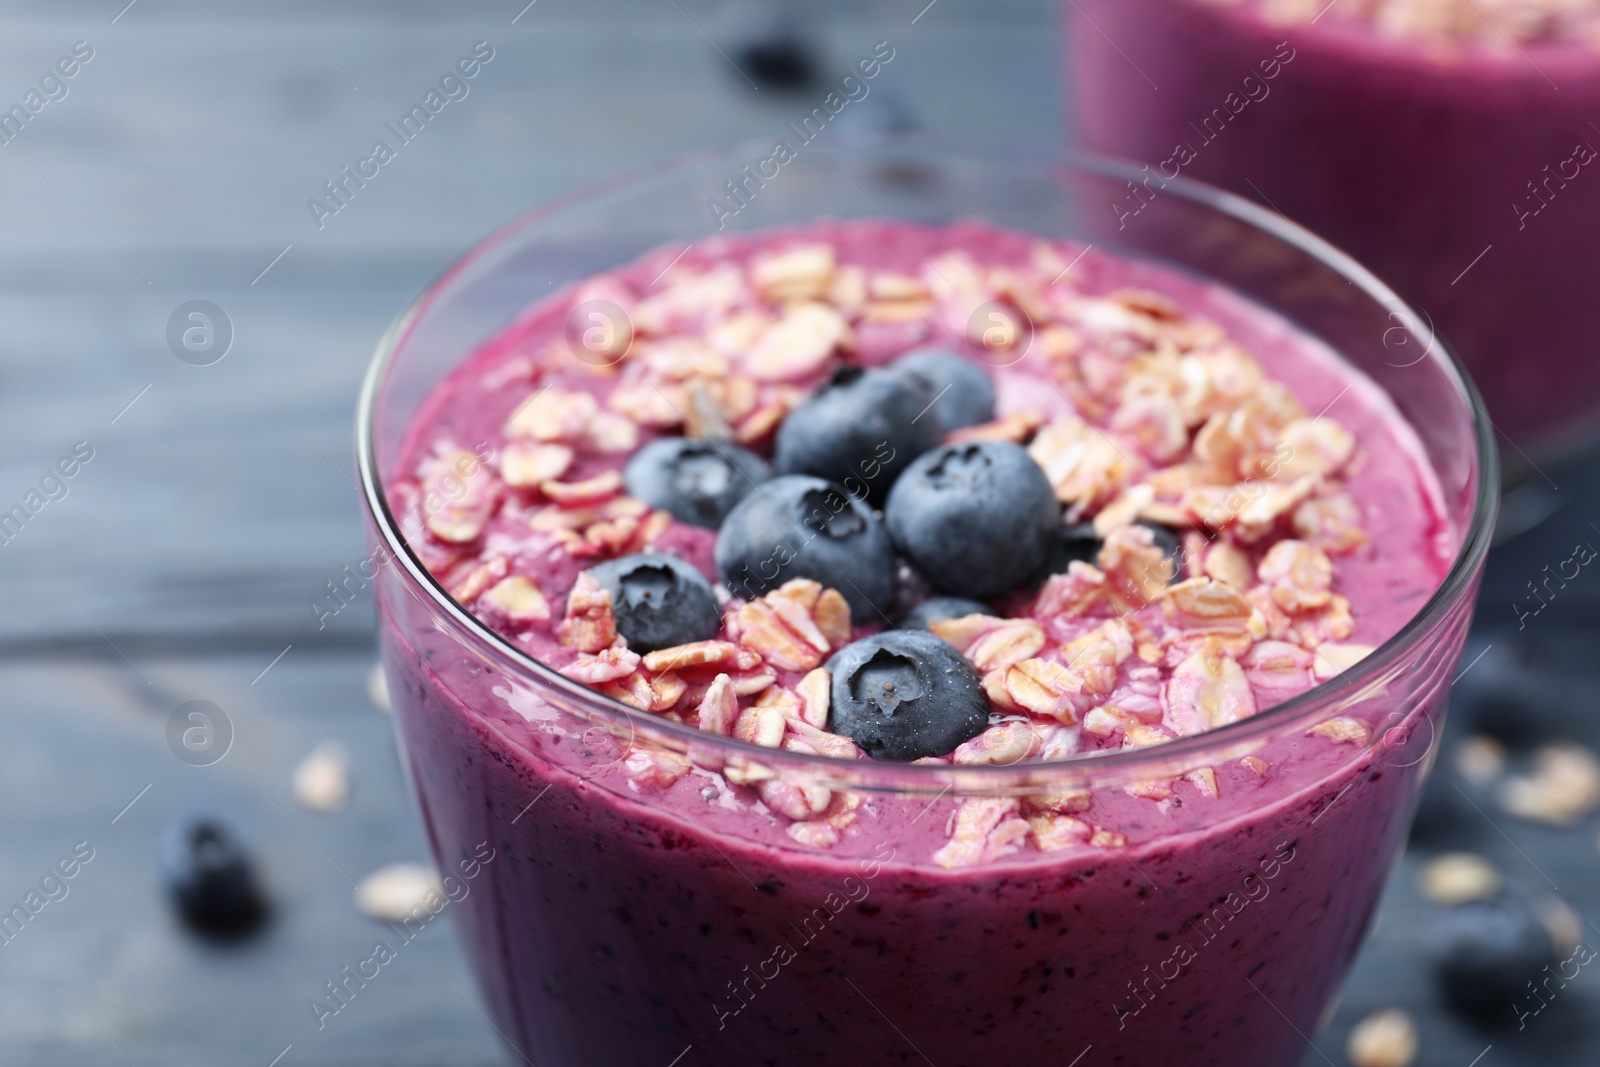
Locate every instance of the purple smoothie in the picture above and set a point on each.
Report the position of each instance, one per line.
(628, 920)
(1455, 165)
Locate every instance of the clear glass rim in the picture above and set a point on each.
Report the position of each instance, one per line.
(1457, 583)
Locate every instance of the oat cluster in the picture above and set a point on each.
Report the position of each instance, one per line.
(1148, 416)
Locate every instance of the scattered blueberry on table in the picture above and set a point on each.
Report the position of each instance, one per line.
(1444, 814)
(1503, 695)
(1486, 952)
(771, 49)
(209, 875)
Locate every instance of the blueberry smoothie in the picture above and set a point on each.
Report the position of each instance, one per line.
(936, 501)
(1446, 144)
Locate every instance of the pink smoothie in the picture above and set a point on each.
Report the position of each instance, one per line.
(1455, 166)
(633, 919)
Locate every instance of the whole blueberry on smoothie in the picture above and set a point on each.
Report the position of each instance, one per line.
(696, 481)
(957, 772)
(800, 527)
(1079, 542)
(977, 519)
(904, 695)
(942, 609)
(861, 429)
(658, 601)
(961, 391)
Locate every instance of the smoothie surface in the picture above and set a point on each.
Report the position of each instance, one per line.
(1305, 527)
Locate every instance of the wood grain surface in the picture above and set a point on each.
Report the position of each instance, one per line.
(182, 560)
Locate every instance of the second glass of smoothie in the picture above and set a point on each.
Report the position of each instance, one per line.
(660, 892)
(1446, 144)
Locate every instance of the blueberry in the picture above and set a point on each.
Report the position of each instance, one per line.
(800, 527)
(1078, 542)
(209, 875)
(940, 608)
(905, 694)
(698, 481)
(659, 601)
(772, 49)
(860, 430)
(1444, 816)
(961, 392)
(1503, 694)
(1486, 952)
(1072, 543)
(1171, 544)
(976, 518)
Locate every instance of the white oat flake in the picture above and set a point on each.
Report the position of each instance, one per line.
(322, 780)
(394, 893)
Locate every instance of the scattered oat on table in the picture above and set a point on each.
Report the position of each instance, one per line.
(1383, 1039)
(1458, 878)
(322, 781)
(1562, 787)
(378, 688)
(394, 893)
(1480, 759)
(1565, 925)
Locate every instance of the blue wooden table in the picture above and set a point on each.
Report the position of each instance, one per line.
(183, 160)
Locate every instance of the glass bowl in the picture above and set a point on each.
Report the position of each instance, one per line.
(622, 901)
